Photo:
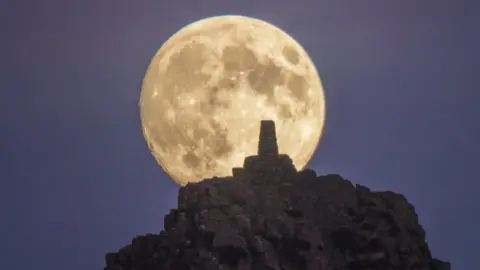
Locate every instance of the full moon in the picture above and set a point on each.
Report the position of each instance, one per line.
(210, 84)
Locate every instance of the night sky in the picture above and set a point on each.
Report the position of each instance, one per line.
(78, 181)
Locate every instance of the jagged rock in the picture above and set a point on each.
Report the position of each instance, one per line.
(269, 216)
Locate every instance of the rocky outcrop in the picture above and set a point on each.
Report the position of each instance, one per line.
(269, 216)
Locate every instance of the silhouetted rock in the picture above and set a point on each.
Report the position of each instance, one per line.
(269, 216)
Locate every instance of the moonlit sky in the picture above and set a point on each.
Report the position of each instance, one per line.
(77, 179)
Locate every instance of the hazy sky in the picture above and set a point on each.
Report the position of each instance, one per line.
(77, 179)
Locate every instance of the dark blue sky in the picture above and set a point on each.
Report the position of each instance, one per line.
(77, 179)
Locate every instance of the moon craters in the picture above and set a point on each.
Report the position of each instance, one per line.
(215, 137)
(221, 146)
(191, 159)
(291, 55)
(238, 58)
(186, 64)
(264, 78)
(297, 86)
(285, 111)
(263, 75)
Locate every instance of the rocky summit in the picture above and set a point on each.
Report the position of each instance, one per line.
(270, 216)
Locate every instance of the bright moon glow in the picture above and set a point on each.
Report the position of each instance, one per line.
(210, 84)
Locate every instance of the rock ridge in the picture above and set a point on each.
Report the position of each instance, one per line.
(270, 216)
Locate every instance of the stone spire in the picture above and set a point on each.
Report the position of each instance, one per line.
(268, 161)
(267, 143)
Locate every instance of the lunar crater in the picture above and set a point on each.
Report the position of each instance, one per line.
(238, 58)
(291, 55)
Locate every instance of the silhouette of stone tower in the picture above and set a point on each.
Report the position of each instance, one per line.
(267, 141)
(268, 161)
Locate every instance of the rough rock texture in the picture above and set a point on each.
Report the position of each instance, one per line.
(269, 216)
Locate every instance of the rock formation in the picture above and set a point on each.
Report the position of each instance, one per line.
(270, 216)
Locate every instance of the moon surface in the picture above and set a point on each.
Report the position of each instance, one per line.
(209, 85)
